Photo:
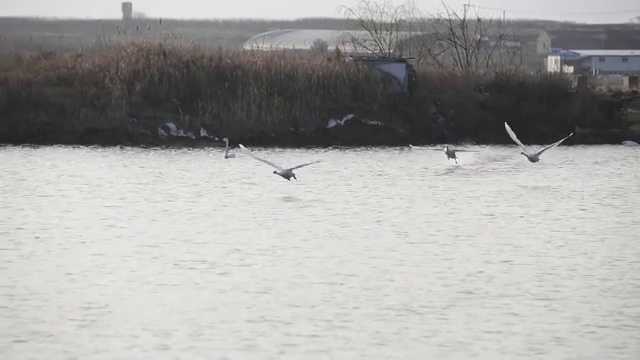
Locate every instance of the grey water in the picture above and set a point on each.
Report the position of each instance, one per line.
(124, 253)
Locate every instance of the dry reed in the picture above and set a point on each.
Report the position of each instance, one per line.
(230, 93)
(237, 93)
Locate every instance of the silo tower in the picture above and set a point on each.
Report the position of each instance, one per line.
(127, 11)
(127, 16)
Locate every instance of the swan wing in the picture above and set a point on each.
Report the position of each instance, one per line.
(513, 136)
(279, 168)
(553, 145)
(303, 165)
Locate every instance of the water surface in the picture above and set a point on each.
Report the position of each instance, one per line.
(125, 253)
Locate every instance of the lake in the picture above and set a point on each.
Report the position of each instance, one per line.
(125, 253)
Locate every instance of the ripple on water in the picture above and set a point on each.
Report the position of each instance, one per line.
(132, 253)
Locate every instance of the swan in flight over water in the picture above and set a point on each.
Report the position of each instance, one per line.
(451, 153)
(285, 173)
(226, 150)
(533, 157)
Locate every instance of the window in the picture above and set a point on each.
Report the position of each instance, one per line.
(601, 59)
(625, 59)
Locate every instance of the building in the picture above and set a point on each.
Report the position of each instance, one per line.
(510, 49)
(555, 64)
(595, 62)
(127, 15)
(531, 42)
(401, 43)
(527, 47)
(351, 42)
(540, 41)
(127, 11)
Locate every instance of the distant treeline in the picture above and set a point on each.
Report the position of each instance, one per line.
(29, 35)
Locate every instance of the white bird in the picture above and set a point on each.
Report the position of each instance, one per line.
(533, 157)
(226, 150)
(286, 173)
(451, 153)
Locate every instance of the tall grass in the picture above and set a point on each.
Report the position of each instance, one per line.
(239, 94)
(542, 105)
(228, 92)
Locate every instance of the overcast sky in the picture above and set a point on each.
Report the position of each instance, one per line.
(594, 11)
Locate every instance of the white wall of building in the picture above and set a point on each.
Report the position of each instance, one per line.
(613, 64)
(554, 63)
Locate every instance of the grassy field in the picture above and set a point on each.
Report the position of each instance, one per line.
(122, 94)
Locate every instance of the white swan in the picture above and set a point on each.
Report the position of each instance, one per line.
(451, 153)
(226, 150)
(533, 157)
(285, 173)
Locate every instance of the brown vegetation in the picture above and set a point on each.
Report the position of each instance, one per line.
(230, 93)
(124, 94)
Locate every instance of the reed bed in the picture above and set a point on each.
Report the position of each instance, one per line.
(228, 92)
(239, 94)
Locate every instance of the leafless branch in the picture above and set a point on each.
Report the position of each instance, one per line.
(467, 42)
(382, 23)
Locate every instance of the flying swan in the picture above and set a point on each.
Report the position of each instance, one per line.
(533, 157)
(451, 153)
(285, 173)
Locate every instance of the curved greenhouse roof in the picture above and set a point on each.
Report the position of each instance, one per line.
(304, 39)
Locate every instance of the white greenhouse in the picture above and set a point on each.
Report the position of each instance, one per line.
(352, 42)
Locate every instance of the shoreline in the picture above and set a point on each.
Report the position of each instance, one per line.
(354, 136)
(351, 131)
(314, 142)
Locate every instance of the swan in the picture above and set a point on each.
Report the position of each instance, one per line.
(533, 157)
(451, 153)
(285, 173)
(226, 150)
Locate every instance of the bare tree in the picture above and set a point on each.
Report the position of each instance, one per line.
(382, 24)
(467, 42)
(453, 40)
